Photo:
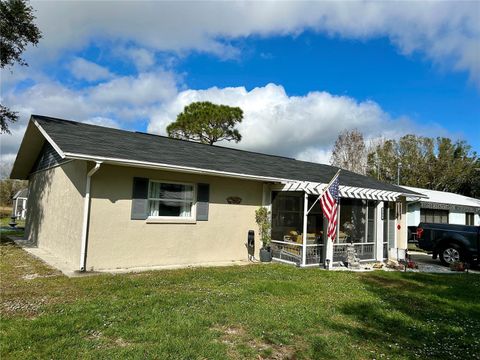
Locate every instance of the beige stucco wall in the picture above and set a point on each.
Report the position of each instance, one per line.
(116, 241)
(55, 210)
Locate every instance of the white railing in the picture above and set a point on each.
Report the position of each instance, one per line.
(291, 252)
(365, 251)
(285, 251)
(314, 254)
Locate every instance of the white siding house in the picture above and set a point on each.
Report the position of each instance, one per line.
(442, 207)
(20, 204)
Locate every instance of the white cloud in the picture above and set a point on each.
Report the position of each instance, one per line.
(115, 103)
(103, 121)
(144, 89)
(87, 70)
(304, 127)
(301, 126)
(142, 58)
(446, 32)
(315, 155)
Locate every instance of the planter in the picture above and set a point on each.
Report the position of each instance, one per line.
(265, 254)
(457, 266)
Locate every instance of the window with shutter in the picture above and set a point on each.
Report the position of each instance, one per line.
(167, 200)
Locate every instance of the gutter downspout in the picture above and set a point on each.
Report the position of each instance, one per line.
(86, 216)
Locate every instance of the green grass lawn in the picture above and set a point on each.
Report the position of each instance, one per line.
(243, 312)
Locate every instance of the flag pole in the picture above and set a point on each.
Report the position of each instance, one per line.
(323, 191)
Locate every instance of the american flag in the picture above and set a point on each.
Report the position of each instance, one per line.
(329, 201)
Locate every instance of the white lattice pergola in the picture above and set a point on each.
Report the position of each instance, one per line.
(350, 192)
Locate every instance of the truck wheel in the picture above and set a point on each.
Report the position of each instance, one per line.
(450, 253)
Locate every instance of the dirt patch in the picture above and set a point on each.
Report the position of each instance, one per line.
(35, 276)
(121, 342)
(105, 341)
(30, 308)
(234, 336)
(94, 335)
(273, 351)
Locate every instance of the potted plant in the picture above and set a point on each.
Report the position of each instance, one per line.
(457, 266)
(262, 218)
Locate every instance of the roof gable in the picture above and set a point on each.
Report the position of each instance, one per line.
(30, 148)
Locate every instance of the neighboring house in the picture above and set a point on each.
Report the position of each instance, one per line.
(442, 207)
(103, 198)
(20, 204)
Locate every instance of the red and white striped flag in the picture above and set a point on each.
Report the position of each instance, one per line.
(329, 201)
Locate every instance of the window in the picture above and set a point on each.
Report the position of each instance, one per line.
(287, 214)
(434, 216)
(469, 219)
(287, 217)
(371, 221)
(170, 200)
(357, 221)
(315, 220)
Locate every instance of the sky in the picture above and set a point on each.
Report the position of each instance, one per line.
(301, 71)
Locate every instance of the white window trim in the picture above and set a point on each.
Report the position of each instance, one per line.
(174, 219)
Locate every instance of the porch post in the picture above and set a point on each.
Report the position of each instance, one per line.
(266, 203)
(305, 219)
(379, 231)
(328, 247)
(267, 196)
(329, 243)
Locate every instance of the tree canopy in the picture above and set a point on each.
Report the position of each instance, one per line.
(431, 163)
(207, 123)
(18, 30)
(350, 152)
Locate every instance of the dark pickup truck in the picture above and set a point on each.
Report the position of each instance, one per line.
(450, 242)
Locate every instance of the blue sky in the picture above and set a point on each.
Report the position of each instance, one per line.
(301, 71)
(366, 70)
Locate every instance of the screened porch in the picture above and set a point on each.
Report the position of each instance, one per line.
(361, 222)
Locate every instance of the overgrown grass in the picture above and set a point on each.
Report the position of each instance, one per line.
(243, 312)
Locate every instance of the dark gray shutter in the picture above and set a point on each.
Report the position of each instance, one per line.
(203, 195)
(139, 199)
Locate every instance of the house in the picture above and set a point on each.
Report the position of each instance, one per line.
(20, 203)
(103, 199)
(442, 207)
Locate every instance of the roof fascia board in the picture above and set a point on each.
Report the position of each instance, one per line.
(186, 169)
(193, 170)
(49, 139)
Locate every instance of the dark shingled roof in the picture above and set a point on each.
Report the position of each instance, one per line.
(98, 141)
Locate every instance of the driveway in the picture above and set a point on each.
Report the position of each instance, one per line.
(427, 264)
